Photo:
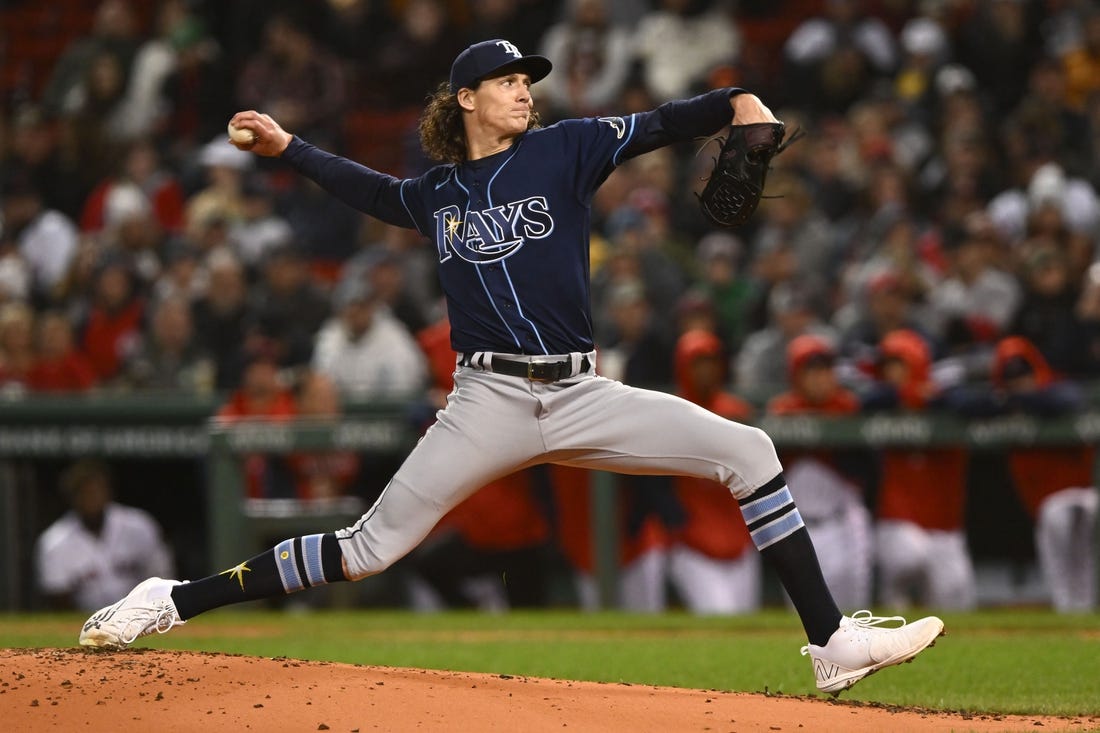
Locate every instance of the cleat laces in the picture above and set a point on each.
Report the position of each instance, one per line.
(866, 621)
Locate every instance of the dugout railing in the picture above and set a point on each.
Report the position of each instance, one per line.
(158, 427)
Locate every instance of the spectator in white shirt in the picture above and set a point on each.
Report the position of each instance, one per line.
(366, 350)
(46, 239)
(99, 549)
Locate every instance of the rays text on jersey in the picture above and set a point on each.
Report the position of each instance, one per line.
(491, 234)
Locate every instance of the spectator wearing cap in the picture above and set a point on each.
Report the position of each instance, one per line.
(886, 304)
(224, 167)
(1063, 212)
(289, 307)
(920, 547)
(130, 229)
(638, 347)
(1054, 483)
(1045, 185)
(259, 229)
(792, 312)
(58, 365)
(725, 285)
(383, 265)
(366, 351)
(45, 238)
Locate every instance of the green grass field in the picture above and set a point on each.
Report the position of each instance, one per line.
(996, 662)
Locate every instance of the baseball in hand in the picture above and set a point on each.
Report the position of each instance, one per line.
(240, 135)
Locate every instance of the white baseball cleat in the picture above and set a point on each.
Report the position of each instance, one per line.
(145, 609)
(863, 645)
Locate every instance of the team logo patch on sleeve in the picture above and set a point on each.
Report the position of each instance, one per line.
(617, 123)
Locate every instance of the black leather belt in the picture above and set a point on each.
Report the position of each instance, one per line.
(536, 371)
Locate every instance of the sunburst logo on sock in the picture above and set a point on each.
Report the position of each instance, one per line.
(237, 572)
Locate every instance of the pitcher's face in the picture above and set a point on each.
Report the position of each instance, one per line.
(503, 104)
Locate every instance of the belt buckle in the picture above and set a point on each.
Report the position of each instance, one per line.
(531, 375)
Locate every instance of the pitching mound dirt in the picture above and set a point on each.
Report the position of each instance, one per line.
(165, 691)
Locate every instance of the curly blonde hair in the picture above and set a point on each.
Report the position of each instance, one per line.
(442, 135)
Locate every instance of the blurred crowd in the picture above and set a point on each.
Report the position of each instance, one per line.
(930, 244)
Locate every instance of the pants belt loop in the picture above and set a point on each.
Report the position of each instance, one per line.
(575, 363)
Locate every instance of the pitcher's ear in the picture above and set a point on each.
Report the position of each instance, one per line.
(465, 98)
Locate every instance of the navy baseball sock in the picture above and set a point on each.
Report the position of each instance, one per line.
(778, 532)
(290, 566)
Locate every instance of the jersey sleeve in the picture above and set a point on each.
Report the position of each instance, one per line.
(599, 144)
(681, 120)
(393, 200)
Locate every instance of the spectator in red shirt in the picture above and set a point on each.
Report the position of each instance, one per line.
(59, 366)
(115, 319)
(921, 547)
(262, 396)
(142, 168)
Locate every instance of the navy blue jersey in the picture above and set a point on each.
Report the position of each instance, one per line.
(511, 229)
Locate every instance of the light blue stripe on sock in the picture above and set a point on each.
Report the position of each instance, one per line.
(766, 505)
(288, 566)
(311, 554)
(772, 532)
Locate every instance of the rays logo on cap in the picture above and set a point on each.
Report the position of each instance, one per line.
(481, 60)
(509, 47)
